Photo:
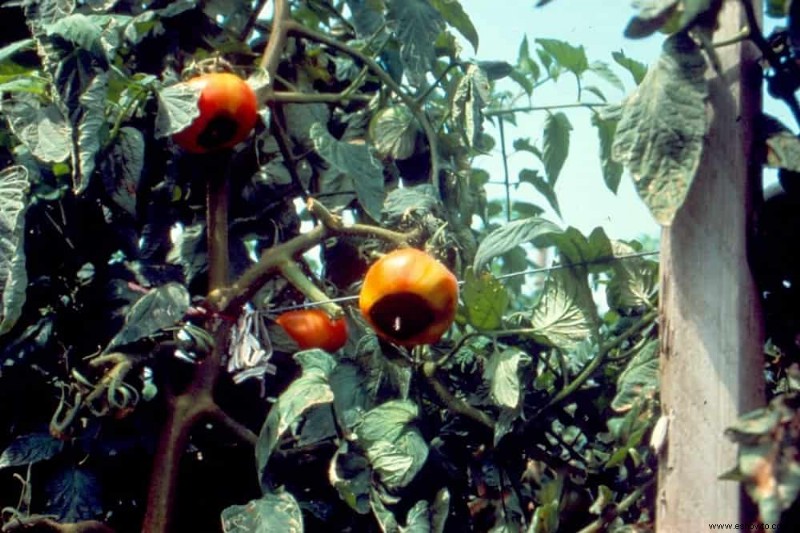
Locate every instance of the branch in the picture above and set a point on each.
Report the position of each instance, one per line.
(277, 40)
(528, 109)
(454, 403)
(607, 517)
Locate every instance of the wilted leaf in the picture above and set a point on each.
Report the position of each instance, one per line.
(417, 25)
(783, 151)
(73, 495)
(30, 448)
(310, 389)
(349, 474)
(393, 132)
(419, 200)
(651, 16)
(355, 161)
(635, 281)
(160, 308)
(14, 189)
(639, 379)
(471, 96)
(275, 511)
(661, 133)
(485, 300)
(502, 373)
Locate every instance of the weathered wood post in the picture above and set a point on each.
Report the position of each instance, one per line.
(712, 339)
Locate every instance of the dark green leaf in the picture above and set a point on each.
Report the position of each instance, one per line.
(350, 474)
(454, 15)
(73, 495)
(571, 58)
(158, 309)
(702, 12)
(595, 91)
(525, 63)
(606, 125)
(30, 448)
(545, 189)
(274, 511)
(635, 281)
(367, 16)
(556, 145)
(639, 380)
(485, 300)
(43, 130)
(14, 190)
(516, 75)
(495, 70)
(80, 30)
(637, 69)
(90, 128)
(122, 168)
(661, 133)
(417, 25)
(524, 145)
(355, 161)
(310, 389)
(651, 16)
(777, 8)
(603, 70)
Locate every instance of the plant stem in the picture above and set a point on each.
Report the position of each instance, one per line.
(527, 109)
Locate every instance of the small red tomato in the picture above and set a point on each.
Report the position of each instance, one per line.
(313, 328)
(228, 113)
(409, 298)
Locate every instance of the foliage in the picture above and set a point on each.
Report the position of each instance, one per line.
(140, 283)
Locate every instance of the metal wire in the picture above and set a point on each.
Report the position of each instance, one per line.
(532, 271)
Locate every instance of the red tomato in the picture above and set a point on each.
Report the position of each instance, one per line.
(313, 328)
(228, 113)
(409, 298)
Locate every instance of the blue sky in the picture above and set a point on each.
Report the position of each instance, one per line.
(597, 25)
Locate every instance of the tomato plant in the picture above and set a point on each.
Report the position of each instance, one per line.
(409, 298)
(313, 328)
(228, 113)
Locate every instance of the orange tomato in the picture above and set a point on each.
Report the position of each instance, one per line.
(228, 113)
(409, 298)
(313, 328)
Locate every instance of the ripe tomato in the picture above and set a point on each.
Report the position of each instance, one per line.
(409, 298)
(313, 328)
(228, 112)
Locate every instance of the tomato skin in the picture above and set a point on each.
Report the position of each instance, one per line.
(228, 113)
(409, 298)
(313, 328)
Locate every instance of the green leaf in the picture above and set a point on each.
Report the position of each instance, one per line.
(524, 145)
(525, 62)
(637, 69)
(511, 235)
(30, 448)
(122, 168)
(393, 131)
(160, 308)
(275, 511)
(350, 475)
(639, 380)
(471, 96)
(571, 58)
(562, 316)
(495, 70)
(777, 8)
(502, 373)
(556, 145)
(367, 16)
(189, 250)
(73, 495)
(635, 281)
(606, 125)
(395, 449)
(177, 108)
(355, 161)
(14, 195)
(420, 200)
(416, 25)
(603, 70)
(652, 15)
(10, 50)
(485, 300)
(454, 15)
(310, 389)
(43, 130)
(440, 510)
(80, 30)
(91, 128)
(661, 133)
(527, 175)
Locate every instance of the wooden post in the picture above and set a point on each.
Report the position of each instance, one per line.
(712, 338)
